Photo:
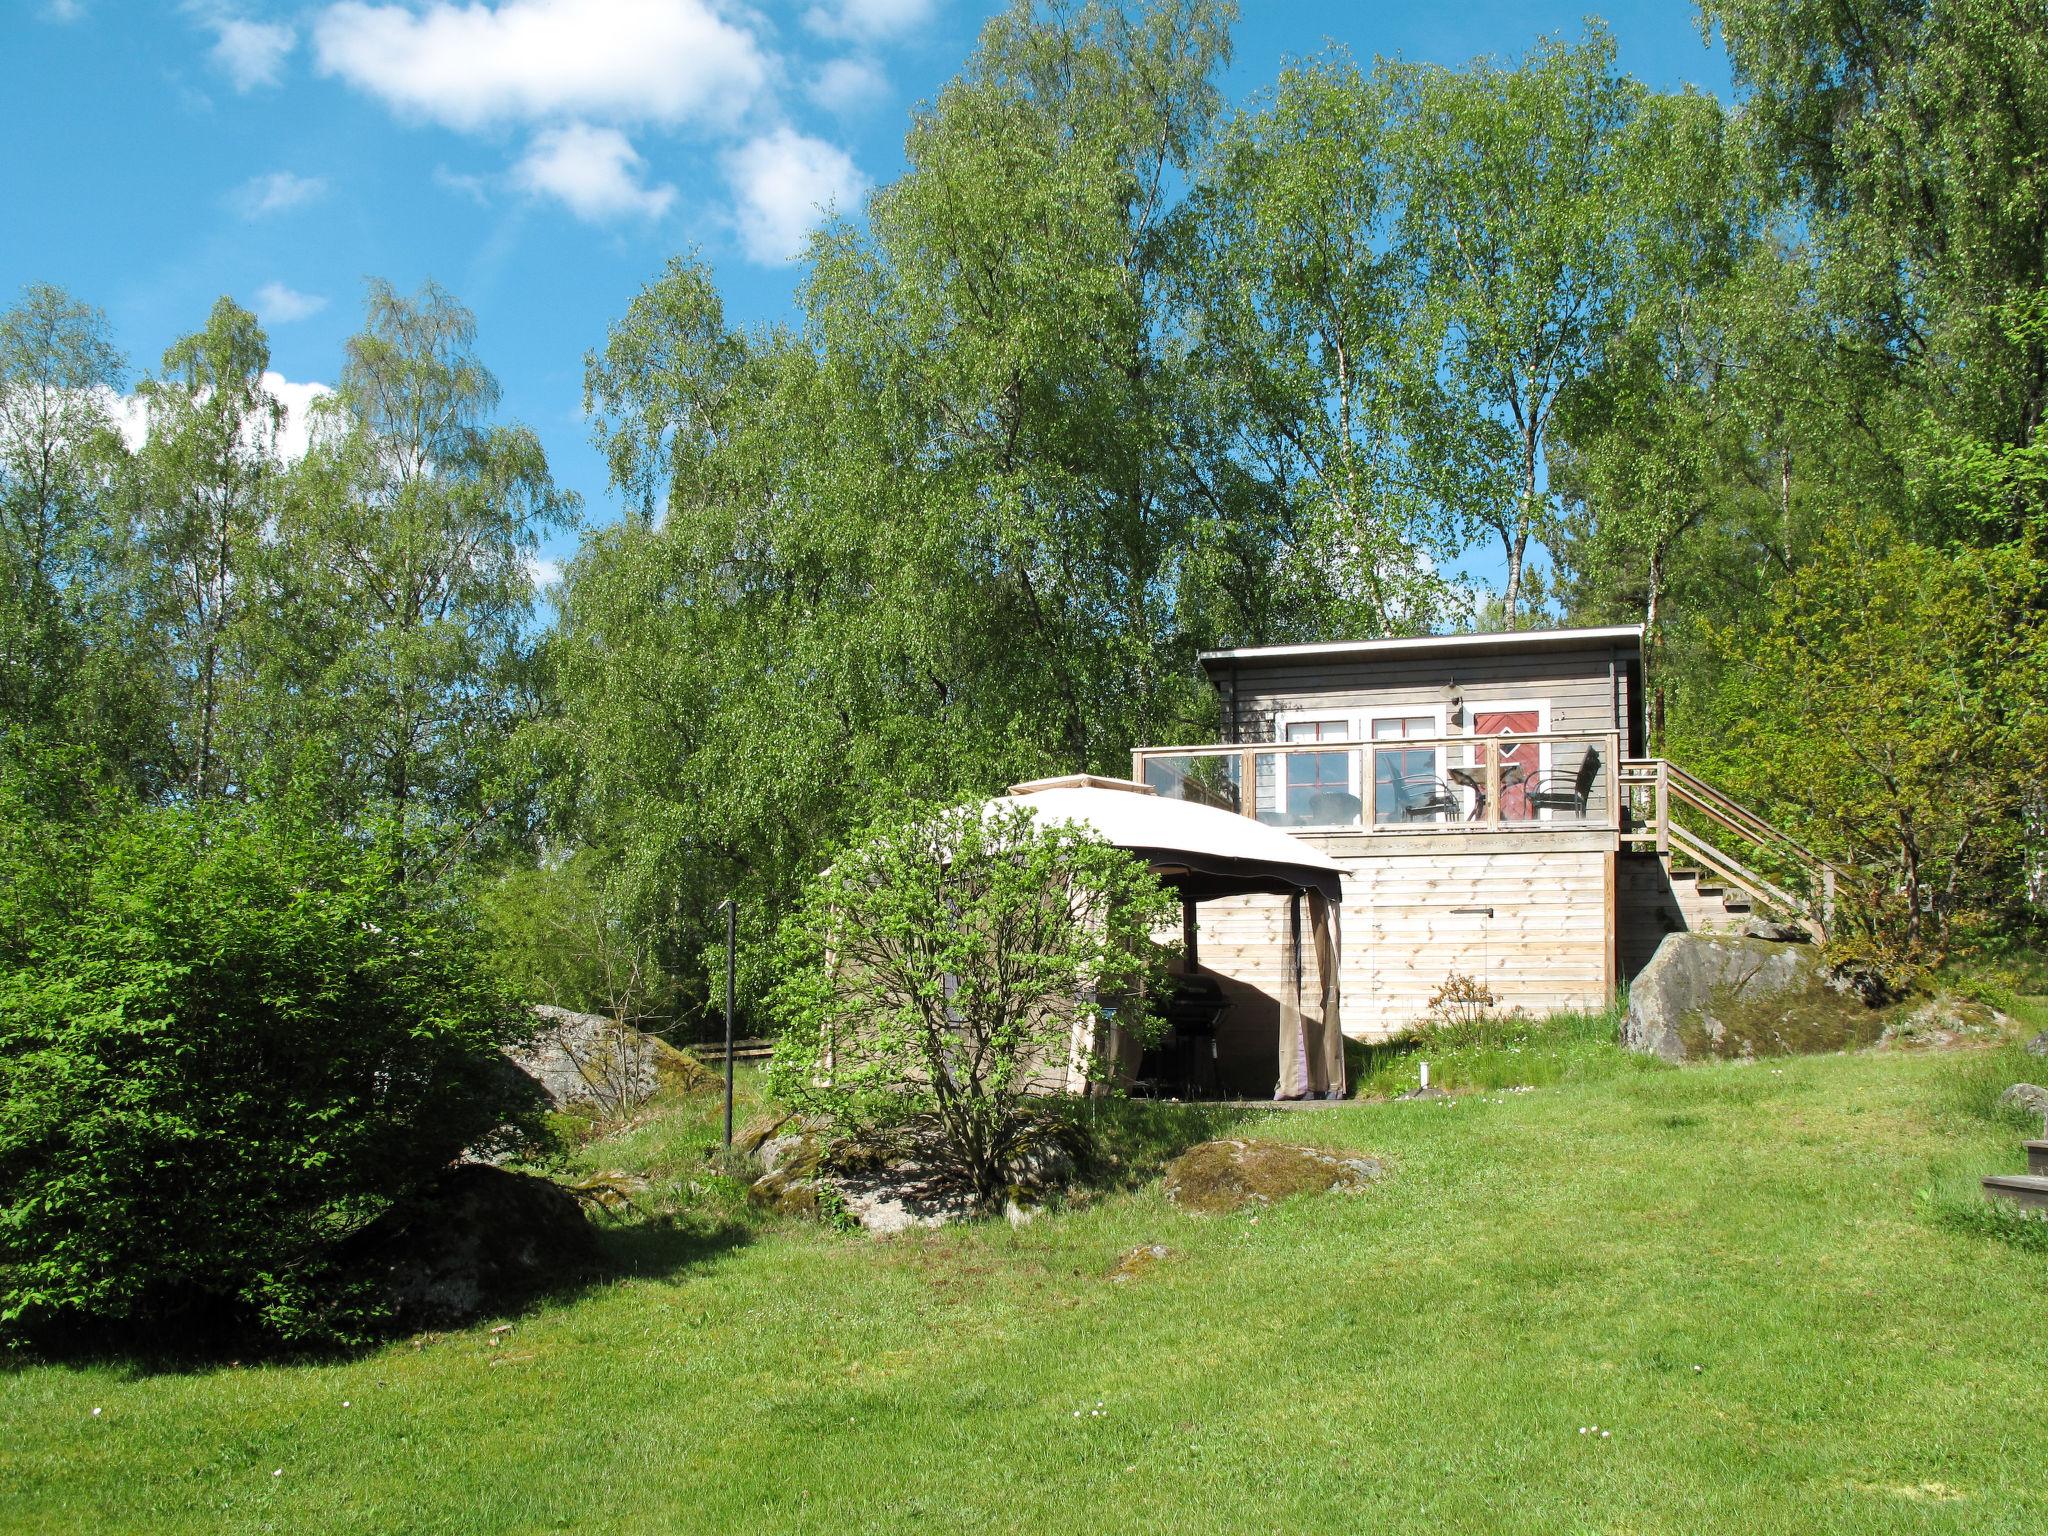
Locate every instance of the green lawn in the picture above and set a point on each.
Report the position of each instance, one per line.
(1762, 1280)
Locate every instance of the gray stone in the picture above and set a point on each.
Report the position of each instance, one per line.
(587, 1061)
(1944, 1021)
(2026, 1096)
(2038, 1046)
(1775, 932)
(1220, 1176)
(896, 1184)
(1675, 1005)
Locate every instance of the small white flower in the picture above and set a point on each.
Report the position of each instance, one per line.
(1582, 1429)
(1606, 1434)
(346, 1403)
(95, 1413)
(278, 1473)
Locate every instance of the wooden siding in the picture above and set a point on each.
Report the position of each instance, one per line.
(1545, 947)
(1576, 684)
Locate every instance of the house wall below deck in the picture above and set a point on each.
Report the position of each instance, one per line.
(1414, 914)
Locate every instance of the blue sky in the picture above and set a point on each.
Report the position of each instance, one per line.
(540, 158)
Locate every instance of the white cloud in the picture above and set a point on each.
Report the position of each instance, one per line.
(595, 171)
(465, 66)
(278, 305)
(476, 188)
(276, 192)
(63, 12)
(298, 400)
(783, 183)
(846, 85)
(543, 570)
(251, 52)
(868, 18)
(131, 414)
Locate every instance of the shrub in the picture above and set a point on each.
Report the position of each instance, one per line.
(946, 967)
(224, 1046)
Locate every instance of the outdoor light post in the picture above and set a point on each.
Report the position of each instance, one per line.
(731, 934)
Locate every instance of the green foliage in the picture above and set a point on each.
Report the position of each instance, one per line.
(557, 937)
(226, 1042)
(1892, 706)
(400, 662)
(954, 963)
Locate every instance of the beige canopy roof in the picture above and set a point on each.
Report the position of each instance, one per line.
(1207, 853)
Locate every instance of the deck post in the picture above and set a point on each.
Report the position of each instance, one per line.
(1248, 785)
(1492, 781)
(1663, 808)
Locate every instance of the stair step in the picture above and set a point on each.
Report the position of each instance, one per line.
(2037, 1157)
(1736, 903)
(2027, 1191)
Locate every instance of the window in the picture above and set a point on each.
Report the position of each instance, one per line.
(1402, 776)
(1310, 774)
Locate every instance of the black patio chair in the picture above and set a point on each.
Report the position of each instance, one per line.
(1566, 791)
(1419, 799)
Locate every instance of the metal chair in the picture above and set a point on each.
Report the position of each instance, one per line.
(1420, 799)
(1566, 791)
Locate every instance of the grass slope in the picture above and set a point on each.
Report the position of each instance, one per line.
(1761, 1279)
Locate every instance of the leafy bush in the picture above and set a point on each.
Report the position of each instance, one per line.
(225, 1045)
(951, 964)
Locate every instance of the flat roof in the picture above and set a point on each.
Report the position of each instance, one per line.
(1625, 636)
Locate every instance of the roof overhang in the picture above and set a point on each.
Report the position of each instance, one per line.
(1626, 637)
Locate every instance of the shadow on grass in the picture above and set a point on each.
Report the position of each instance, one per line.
(1132, 1140)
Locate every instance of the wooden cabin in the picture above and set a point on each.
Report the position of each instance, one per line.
(1491, 803)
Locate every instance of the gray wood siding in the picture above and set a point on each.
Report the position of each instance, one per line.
(1576, 684)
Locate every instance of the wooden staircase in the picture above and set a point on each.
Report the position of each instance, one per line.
(1688, 823)
(2029, 1190)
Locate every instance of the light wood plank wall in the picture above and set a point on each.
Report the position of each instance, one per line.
(1546, 946)
(1575, 682)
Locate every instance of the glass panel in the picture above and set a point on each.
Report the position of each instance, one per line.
(1406, 789)
(1204, 780)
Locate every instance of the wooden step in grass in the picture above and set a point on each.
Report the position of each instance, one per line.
(2027, 1191)
(2037, 1157)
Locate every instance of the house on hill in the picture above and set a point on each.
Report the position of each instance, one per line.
(1497, 820)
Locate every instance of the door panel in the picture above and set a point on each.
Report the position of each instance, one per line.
(1514, 799)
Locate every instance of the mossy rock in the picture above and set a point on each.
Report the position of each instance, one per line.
(1720, 995)
(1221, 1176)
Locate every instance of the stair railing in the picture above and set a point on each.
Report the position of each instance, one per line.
(1652, 787)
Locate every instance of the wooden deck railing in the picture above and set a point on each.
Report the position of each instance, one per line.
(1655, 791)
(1403, 784)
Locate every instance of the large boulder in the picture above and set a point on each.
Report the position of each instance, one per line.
(1220, 1176)
(476, 1240)
(1726, 995)
(2038, 1046)
(587, 1061)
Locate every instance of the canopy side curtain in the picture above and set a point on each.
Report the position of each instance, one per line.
(1311, 1039)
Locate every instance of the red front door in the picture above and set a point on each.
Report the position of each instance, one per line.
(1528, 756)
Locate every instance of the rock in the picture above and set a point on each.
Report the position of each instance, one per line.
(1424, 1093)
(755, 1134)
(2027, 1097)
(1944, 1021)
(1731, 996)
(1867, 983)
(1220, 1176)
(1138, 1262)
(1774, 932)
(584, 1060)
(2038, 1046)
(476, 1239)
(894, 1183)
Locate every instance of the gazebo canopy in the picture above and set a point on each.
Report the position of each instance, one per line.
(1200, 850)
(1204, 853)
